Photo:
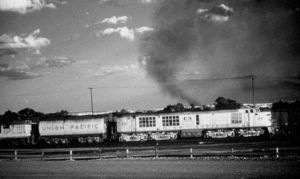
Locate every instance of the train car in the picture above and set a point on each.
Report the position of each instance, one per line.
(286, 123)
(84, 129)
(209, 124)
(17, 133)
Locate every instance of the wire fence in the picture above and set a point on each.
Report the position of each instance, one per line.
(153, 152)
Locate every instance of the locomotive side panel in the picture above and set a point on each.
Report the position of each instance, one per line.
(51, 128)
(204, 121)
(263, 119)
(126, 124)
(221, 120)
(188, 121)
(84, 127)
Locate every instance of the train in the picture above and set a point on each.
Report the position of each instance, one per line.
(202, 124)
(244, 122)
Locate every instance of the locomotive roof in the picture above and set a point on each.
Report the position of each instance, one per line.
(72, 117)
(155, 113)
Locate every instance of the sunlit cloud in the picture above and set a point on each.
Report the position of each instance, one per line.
(219, 13)
(25, 6)
(114, 20)
(125, 32)
(143, 29)
(31, 41)
(145, 1)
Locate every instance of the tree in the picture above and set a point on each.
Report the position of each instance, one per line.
(27, 114)
(223, 103)
(9, 117)
(62, 113)
(174, 108)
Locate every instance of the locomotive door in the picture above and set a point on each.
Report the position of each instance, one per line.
(249, 117)
(187, 123)
(112, 130)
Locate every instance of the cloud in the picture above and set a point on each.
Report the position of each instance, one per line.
(145, 1)
(25, 6)
(125, 32)
(143, 29)
(17, 72)
(60, 2)
(111, 70)
(219, 13)
(25, 69)
(116, 3)
(72, 37)
(10, 52)
(114, 20)
(52, 62)
(32, 41)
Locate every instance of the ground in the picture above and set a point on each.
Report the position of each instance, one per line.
(149, 168)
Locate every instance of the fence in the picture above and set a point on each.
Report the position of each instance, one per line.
(142, 152)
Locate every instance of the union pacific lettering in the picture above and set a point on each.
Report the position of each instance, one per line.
(84, 126)
(52, 127)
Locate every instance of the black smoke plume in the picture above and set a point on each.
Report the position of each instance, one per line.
(215, 39)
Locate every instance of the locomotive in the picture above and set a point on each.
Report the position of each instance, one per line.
(207, 124)
(66, 130)
(244, 122)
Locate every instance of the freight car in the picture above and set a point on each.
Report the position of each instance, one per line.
(73, 130)
(58, 131)
(286, 123)
(207, 124)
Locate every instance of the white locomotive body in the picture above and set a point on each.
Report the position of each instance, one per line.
(19, 129)
(19, 132)
(215, 124)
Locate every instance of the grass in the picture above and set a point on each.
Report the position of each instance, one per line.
(150, 169)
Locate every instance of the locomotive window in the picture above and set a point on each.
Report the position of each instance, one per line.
(251, 110)
(236, 118)
(147, 122)
(246, 111)
(171, 121)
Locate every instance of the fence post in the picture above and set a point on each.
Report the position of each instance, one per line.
(277, 152)
(156, 155)
(42, 156)
(71, 155)
(232, 152)
(99, 153)
(191, 150)
(16, 155)
(127, 153)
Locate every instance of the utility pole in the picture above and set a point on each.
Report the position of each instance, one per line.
(252, 79)
(92, 106)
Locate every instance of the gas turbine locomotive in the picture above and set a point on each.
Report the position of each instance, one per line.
(139, 127)
(207, 124)
(70, 129)
(86, 130)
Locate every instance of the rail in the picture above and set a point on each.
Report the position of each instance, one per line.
(144, 152)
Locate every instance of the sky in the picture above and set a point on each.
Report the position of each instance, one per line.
(145, 54)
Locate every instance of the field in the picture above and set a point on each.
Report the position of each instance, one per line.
(211, 159)
(150, 169)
